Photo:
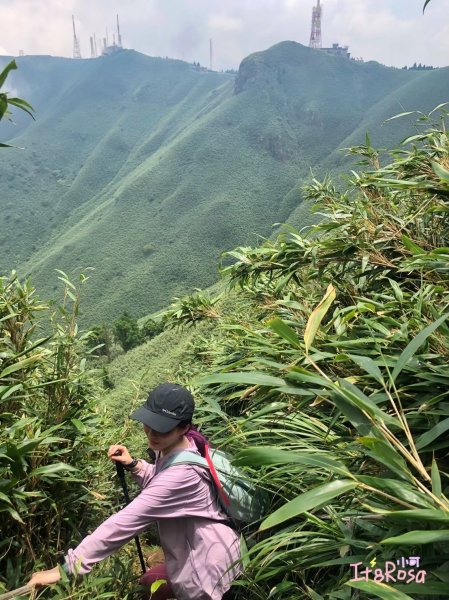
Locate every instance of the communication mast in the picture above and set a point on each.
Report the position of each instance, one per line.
(119, 37)
(76, 44)
(92, 48)
(315, 36)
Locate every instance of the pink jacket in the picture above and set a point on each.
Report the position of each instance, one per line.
(199, 547)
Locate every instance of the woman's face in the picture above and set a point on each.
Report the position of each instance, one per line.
(164, 441)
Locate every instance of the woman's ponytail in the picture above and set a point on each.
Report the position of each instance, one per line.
(200, 440)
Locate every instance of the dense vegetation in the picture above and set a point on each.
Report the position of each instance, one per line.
(327, 363)
(320, 362)
(147, 169)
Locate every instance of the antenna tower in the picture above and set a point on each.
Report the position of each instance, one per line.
(315, 36)
(211, 55)
(92, 48)
(76, 44)
(119, 37)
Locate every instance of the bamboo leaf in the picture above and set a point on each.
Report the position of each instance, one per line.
(314, 498)
(317, 316)
(427, 438)
(50, 470)
(20, 365)
(440, 171)
(368, 365)
(400, 489)
(286, 332)
(411, 246)
(418, 537)
(381, 590)
(436, 480)
(245, 377)
(353, 394)
(429, 515)
(387, 455)
(156, 585)
(4, 74)
(415, 344)
(257, 456)
(404, 114)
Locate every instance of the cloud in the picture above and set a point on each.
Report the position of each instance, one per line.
(225, 23)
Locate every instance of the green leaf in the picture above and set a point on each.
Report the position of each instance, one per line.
(416, 343)
(382, 452)
(79, 425)
(411, 246)
(257, 456)
(4, 74)
(50, 470)
(245, 377)
(404, 114)
(20, 365)
(22, 104)
(317, 316)
(286, 332)
(425, 4)
(381, 590)
(5, 498)
(429, 515)
(436, 480)
(282, 588)
(419, 537)
(400, 489)
(354, 395)
(156, 585)
(440, 171)
(432, 588)
(427, 438)
(368, 365)
(313, 498)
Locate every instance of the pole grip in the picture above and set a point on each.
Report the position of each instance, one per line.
(121, 475)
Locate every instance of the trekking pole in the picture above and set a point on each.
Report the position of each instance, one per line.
(26, 590)
(122, 478)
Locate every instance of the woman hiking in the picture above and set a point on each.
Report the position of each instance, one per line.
(198, 543)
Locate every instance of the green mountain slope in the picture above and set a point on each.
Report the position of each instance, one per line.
(146, 169)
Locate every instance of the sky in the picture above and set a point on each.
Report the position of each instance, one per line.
(392, 32)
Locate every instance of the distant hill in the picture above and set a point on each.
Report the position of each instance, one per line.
(147, 168)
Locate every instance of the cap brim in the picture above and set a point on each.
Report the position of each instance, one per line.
(154, 421)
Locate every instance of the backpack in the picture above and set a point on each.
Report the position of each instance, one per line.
(241, 500)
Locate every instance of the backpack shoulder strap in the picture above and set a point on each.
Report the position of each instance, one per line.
(185, 458)
(190, 458)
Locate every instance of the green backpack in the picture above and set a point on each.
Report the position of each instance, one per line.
(241, 500)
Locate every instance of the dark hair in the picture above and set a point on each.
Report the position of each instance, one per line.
(194, 434)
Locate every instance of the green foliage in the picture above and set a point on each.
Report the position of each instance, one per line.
(191, 309)
(127, 332)
(6, 101)
(100, 340)
(152, 328)
(49, 427)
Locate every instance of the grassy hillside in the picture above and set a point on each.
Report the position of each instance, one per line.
(146, 169)
(326, 372)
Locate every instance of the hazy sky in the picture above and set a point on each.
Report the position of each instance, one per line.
(393, 32)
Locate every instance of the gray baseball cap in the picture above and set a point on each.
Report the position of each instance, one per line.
(166, 406)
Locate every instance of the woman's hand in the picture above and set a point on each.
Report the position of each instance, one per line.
(124, 457)
(45, 577)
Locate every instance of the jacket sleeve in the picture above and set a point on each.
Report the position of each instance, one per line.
(175, 492)
(144, 474)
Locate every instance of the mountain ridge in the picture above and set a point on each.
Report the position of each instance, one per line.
(146, 169)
